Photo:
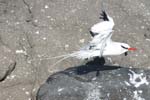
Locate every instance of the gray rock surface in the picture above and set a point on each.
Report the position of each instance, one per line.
(7, 62)
(112, 83)
(32, 30)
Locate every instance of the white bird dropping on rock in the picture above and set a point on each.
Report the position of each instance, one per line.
(46, 6)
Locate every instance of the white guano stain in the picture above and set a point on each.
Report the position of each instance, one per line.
(93, 92)
(127, 83)
(37, 32)
(60, 89)
(44, 38)
(82, 40)
(136, 96)
(46, 7)
(140, 77)
(21, 52)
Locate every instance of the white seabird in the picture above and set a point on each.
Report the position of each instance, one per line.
(101, 45)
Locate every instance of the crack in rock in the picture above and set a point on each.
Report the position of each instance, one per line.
(30, 13)
(9, 71)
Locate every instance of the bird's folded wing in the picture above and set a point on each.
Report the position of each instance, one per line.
(98, 42)
(101, 37)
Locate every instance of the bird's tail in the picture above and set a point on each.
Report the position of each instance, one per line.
(81, 54)
(104, 16)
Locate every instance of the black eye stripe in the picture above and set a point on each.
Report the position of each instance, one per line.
(124, 47)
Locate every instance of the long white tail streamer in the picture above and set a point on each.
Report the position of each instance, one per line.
(60, 61)
(81, 54)
(63, 57)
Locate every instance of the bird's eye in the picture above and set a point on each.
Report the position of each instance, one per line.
(124, 47)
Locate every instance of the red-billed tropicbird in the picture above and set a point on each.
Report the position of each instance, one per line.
(101, 44)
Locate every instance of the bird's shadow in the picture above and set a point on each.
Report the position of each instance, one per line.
(96, 65)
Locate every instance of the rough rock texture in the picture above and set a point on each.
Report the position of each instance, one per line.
(7, 62)
(32, 30)
(112, 83)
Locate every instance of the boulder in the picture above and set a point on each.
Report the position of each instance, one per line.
(84, 83)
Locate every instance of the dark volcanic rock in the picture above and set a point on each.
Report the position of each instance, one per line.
(83, 83)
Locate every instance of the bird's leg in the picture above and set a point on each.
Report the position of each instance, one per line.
(126, 53)
(97, 73)
(101, 62)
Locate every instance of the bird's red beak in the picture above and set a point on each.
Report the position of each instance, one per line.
(132, 49)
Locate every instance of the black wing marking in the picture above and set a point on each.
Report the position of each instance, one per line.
(104, 16)
(93, 34)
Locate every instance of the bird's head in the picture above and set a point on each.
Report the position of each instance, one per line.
(125, 48)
